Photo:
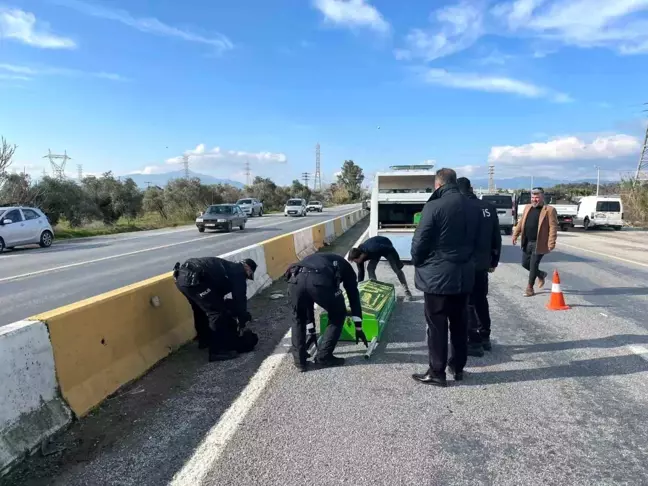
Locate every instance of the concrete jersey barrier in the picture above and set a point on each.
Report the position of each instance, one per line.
(66, 361)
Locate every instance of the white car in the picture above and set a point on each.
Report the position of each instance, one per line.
(295, 207)
(250, 206)
(21, 226)
(315, 206)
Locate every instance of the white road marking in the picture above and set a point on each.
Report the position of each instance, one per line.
(605, 255)
(211, 448)
(641, 351)
(604, 315)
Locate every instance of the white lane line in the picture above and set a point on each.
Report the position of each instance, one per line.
(209, 451)
(604, 315)
(641, 351)
(121, 255)
(605, 255)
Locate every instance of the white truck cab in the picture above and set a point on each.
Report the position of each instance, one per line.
(600, 211)
(397, 197)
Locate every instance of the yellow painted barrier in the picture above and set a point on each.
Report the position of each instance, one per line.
(280, 252)
(337, 224)
(319, 232)
(102, 343)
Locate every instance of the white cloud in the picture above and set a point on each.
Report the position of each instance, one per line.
(352, 13)
(491, 84)
(617, 25)
(218, 159)
(148, 25)
(27, 73)
(23, 27)
(565, 149)
(455, 28)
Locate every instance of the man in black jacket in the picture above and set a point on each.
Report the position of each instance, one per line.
(373, 250)
(443, 249)
(219, 324)
(487, 255)
(316, 280)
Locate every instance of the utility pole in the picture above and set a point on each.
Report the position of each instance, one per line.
(248, 173)
(58, 168)
(148, 184)
(317, 184)
(598, 178)
(531, 184)
(80, 172)
(491, 178)
(305, 176)
(642, 166)
(185, 164)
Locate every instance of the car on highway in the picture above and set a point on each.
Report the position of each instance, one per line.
(221, 216)
(295, 207)
(21, 226)
(251, 206)
(504, 206)
(315, 206)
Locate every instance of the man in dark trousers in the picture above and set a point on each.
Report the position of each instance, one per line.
(219, 322)
(487, 255)
(443, 249)
(373, 250)
(316, 280)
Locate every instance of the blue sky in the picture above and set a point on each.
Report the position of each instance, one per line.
(544, 87)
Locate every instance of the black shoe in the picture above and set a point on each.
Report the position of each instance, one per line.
(476, 350)
(428, 379)
(458, 375)
(222, 355)
(302, 367)
(329, 361)
(486, 344)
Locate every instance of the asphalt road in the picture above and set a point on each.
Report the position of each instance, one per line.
(561, 399)
(36, 280)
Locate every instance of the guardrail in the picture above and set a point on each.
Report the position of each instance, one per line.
(61, 364)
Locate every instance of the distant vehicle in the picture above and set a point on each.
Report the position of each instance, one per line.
(504, 205)
(221, 216)
(600, 211)
(565, 209)
(20, 226)
(315, 206)
(295, 207)
(251, 206)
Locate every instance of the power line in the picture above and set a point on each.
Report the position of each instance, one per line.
(317, 184)
(58, 168)
(80, 172)
(305, 176)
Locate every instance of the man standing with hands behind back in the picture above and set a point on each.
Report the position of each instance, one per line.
(539, 230)
(443, 249)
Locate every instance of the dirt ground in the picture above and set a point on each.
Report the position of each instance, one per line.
(121, 421)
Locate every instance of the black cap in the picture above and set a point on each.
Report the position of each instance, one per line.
(252, 264)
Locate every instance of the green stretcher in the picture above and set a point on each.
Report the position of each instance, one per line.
(378, 301)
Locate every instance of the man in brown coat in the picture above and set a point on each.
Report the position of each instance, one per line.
(539, 229)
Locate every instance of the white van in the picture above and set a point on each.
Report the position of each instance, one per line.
(295, 207)
(504, 205)
(600, 211)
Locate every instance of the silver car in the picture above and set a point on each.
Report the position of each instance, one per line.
(20, 226)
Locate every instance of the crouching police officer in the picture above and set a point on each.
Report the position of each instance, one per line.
(316, 280)
(220, 323)
(487, 256)
(373, 250)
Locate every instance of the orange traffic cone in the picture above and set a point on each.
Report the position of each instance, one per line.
(557, 300)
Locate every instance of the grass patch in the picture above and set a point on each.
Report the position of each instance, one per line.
(64, 231)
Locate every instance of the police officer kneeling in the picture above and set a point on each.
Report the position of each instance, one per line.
(220, 323)
(487, 255)
(316, 280)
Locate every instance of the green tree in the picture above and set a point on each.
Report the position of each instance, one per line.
(65, 199)
(153, 202)
(351, 178)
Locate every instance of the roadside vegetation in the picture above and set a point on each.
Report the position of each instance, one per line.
(109, 204)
